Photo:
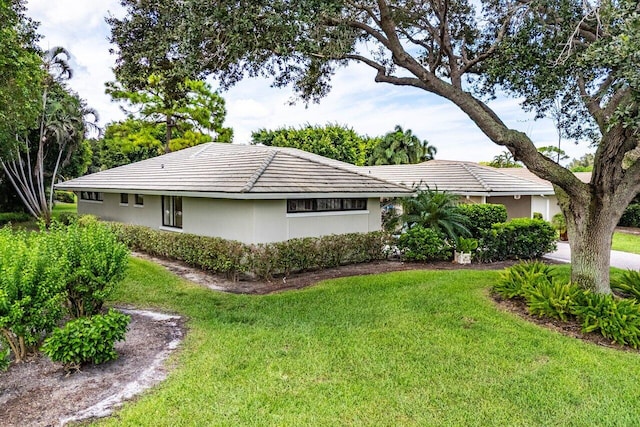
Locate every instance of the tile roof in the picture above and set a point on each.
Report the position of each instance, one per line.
(464, 178)
(238, 171)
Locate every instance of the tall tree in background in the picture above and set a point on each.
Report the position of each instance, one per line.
(583, 52)
(504, 160)
(401, 147)
(333, 141)
(186, 119)
(40, 150)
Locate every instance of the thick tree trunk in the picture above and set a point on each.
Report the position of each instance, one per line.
(590, 225)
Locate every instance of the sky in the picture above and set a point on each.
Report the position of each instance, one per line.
(355, 101)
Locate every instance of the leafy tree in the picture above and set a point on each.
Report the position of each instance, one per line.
(583, 53)
(40, 151)
(554, 153)
(401, 147)
(583, 164)
(333, 141)
(504, 160)
(195, 108)
(435, 209)
(20, 85)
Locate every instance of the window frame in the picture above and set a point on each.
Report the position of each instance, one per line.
(138, 200)
(295, 206)
(124, 199)
(92, 196)
(175, 216)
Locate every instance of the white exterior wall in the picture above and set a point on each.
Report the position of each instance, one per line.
(110, 209)
(546, 205)
(248, 221)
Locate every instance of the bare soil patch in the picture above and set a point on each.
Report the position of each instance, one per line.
(38, 392)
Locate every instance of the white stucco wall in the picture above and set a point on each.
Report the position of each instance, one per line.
(249, 221)
(110, 209)
(546, 205)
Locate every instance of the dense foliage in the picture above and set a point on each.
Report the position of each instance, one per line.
(480, 217)
(520, 238)
(234, 258)
(435, 209)
(333, 141)
(400, 147)
(32, 287)
(617, 319)
(87, 340)
(423, 244)
(631, 216)
(96, 263)
(50, 274)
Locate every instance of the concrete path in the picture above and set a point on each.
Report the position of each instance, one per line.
(619, 259)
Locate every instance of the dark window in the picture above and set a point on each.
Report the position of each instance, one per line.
(172, 211)
(139, 200)
(325, 205)
(124, 198)
(96, 196)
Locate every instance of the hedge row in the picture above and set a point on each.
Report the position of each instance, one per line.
(631, 216)
(520, 238)
(263, 261)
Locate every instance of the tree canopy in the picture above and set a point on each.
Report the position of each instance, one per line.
(401, 147)
(190, 113)
(20, 85)
(583, 53)
(332, 140)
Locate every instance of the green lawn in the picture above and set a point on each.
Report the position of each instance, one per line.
(409, 348)
(626, 242)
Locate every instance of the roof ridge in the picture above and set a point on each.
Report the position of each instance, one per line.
(258, 173)
(355, 170)
(203, 148)
(476, 176)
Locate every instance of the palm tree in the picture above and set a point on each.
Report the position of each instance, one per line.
(401, 147)
(61, 120)
(435, 209)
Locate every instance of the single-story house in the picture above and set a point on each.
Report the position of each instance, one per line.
(248, 193)
(522, 192)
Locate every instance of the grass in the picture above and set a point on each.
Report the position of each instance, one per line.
(408, 348)
(58, 209)
(626, 242)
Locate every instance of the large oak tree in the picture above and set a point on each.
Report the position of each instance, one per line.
(586, 54)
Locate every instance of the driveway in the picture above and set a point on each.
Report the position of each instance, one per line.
(619, 259)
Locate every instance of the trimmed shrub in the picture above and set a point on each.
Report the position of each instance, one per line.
(481, 217)
(520, 238)
(628, 284)
(423, 244)
(87, 340)
(264, 261)
(631, 216)
(616, 319)
(13, 217)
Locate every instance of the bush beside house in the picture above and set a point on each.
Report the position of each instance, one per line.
(263, 261)
(48, 277)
